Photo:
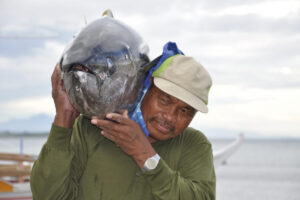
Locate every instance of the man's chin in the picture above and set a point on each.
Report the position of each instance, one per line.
(158, 136)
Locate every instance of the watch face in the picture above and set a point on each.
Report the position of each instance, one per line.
(151, 164)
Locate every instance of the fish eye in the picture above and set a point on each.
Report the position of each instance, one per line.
(110, 65)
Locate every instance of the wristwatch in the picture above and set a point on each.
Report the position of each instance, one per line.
(151, 163)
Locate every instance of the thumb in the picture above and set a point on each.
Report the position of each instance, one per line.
(125, 114)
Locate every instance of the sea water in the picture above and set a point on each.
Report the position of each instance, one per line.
(258, 170)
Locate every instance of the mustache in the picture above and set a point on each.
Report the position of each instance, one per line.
(164, 122)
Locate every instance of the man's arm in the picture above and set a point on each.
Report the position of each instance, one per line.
(65, 112)
(127, 134)
(50, 175)
(195, 179)
(56, 172)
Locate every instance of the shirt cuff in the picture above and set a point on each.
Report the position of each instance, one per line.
(59, 137)
(160, 176)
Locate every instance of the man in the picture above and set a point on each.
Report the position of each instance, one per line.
(112, 158)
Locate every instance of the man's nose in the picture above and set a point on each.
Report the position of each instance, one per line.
(170, 114)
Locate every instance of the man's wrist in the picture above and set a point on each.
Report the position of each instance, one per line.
(65, 120)
(151, 163)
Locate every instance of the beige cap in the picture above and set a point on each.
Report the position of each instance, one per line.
(186, 79)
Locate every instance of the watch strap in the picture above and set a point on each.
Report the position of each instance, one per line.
(151, 163)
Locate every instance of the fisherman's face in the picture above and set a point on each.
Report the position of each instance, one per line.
(165, 115)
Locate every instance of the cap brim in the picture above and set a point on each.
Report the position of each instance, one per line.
(181, 94)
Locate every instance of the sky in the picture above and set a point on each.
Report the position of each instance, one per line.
(249, 47)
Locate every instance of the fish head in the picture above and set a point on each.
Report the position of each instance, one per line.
(103, 68)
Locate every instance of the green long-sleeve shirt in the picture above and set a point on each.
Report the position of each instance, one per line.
(80, 163)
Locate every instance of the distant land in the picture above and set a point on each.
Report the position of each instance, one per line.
(39, 125)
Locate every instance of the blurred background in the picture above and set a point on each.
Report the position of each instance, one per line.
(250, 47)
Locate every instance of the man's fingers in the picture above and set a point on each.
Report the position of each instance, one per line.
(107, 125)
(115, 117)
(120, 118)
(55, 72)
(118, 131)
(109, 136)
(116, 135)
(62, 85)
(124, 113)
(110, 129)
(56, 78)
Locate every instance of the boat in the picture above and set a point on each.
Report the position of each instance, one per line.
(14, 176)
(221, 155)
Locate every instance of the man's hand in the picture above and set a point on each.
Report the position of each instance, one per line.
(127, 134)
(65, 112)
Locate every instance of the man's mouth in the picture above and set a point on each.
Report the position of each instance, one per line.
(162, 126)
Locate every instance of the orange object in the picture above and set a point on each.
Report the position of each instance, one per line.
(5, 187)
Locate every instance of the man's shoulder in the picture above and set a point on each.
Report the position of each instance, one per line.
(83, 121)
(191, 134)
(84, 126)
(84, 132)
(191, 141)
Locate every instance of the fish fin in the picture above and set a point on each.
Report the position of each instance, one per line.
(108, 13)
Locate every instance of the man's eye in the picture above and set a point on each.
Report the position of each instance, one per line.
(163, 100)
(187, 112)
(183, 110)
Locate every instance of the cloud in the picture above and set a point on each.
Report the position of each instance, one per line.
(264, 111)
(29, 75)
(268, 8)
(271, 9)
(250, 48)
(23, 107)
